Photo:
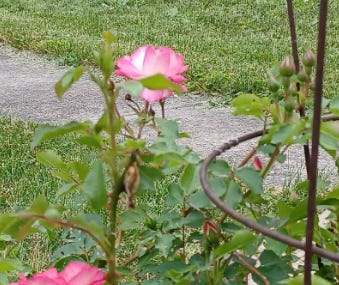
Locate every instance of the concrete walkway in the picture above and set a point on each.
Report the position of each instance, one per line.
(27, 93)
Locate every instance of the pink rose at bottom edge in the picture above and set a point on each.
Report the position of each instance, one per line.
(75, 273)
(79, 273)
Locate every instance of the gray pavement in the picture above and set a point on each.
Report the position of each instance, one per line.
(27, 93)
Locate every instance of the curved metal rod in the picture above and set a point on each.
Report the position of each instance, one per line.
(318, 92)
(294, 43)
(249, 223)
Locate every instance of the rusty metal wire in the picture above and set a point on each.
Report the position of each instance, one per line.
(294, 44)
(307, 246)
(312, 190)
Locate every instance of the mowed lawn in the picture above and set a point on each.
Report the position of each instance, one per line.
(229, 45)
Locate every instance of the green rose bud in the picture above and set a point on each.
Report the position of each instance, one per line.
(273, 85)
(308, 59)
(290, 106)
(287, 67)
(302, 76)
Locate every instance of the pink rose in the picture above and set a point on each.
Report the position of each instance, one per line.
(75, 273)
(147, 61)
(49, 277)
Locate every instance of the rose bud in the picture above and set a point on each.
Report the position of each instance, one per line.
(257, 163)
(308, 59)
(287, 67)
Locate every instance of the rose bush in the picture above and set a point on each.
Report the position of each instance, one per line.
(187, 240)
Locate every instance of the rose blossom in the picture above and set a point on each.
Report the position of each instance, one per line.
(75, 273)
(147, 61)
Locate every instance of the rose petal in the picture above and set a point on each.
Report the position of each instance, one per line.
(147, 61)
(127, 68)
(155, 62)
(77, 273)
(155, 95)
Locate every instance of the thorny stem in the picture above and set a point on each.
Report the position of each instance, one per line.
(117, 187)
(142, 125)
(271, 161)
(183, 231)
(277, 107)
(294, 44)
(312, 191)
(336, 265)
(251, 268)
(162, 105)
(248, 157)
(136, 256)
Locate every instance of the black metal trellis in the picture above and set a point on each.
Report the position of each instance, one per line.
(310, 160)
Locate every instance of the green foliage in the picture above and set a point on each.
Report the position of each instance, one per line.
(186, 240)
(94, 186)
(67, 80)
(250, 104)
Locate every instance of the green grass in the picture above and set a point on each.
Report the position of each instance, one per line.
(229, 45)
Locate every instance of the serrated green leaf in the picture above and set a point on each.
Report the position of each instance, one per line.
(81, 169)
(10, 264)
(334, 105)
(46, 132)
(102, 123)
(133, 87)
(240, 240)
(277, 247)
(199, 200)
(190, 180)
(299, 280)
(39, 205)
(159, 82)
(94, 186)
(168, 128)
(5, 220)
(329, 144)
(334, 193)
(67, 80)
(148, 176)
(331, 129)
(175, 195)
(51, 158)
(93, 141)
(219, 168)
(20, 227)
(133, 219)
(92, 223)
(250, 104)
(233, 195)
(65, 189)
(163, 242)
(251, 178)
(287, 133)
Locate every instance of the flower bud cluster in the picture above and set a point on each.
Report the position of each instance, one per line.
(291, 88)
